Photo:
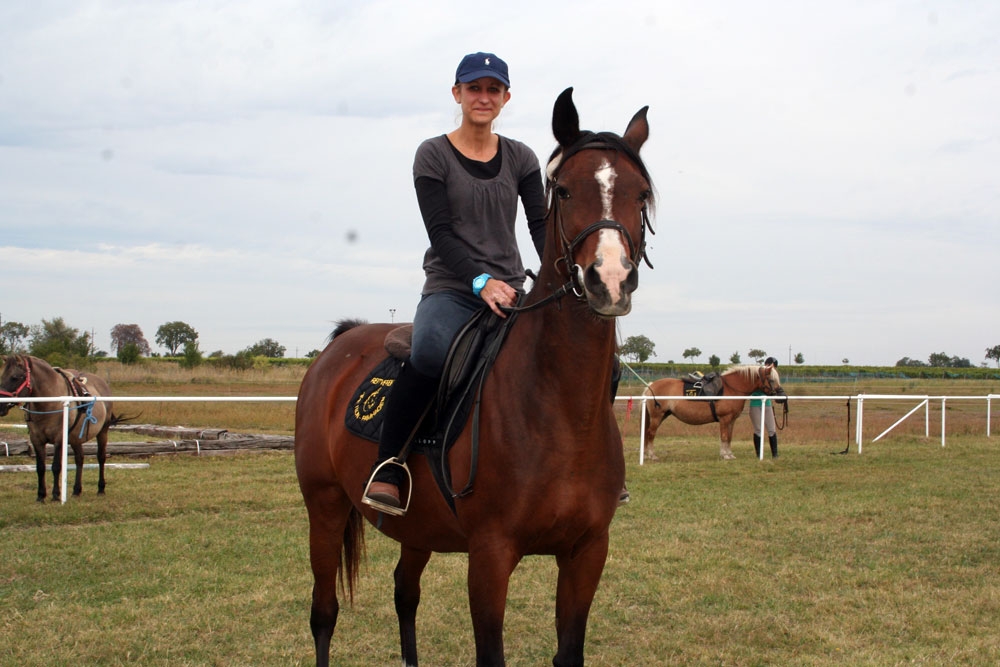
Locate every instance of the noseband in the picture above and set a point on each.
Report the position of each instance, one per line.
(26, 384)
(597, 141)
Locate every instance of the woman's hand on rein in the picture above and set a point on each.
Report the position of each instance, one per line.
(497, 294)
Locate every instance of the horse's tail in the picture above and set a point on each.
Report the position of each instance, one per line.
(353, 551)
(120, 419)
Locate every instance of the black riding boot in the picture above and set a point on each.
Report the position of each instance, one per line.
(756, 444)
(774, 445)
(411, 392)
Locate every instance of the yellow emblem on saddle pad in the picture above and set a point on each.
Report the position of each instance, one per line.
(371, 399)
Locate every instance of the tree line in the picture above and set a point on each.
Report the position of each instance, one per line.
(60, 344)
(641, 348)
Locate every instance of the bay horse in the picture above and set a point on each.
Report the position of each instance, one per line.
(736, 381)
(24, 376)
(550, 472)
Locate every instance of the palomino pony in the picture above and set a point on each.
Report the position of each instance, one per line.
(737, 381)
(549, 471)
(24, 376)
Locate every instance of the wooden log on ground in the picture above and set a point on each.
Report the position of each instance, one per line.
(171, 432)
(232, 442)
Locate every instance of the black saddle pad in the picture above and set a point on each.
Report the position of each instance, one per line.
(366, 411)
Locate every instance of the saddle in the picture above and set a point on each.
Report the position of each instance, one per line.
(76, 382)
(467, 364)
(697, 384)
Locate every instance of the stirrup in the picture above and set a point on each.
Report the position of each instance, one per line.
(382, 507)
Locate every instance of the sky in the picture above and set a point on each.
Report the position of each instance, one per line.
(827, 173)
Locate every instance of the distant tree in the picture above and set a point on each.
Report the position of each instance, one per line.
(12, 337)
(713, 361)
(312, 354)
(637, 348)
(845, 361)
(57, 342)
(799, 359)
(692, 353)
(734, 358)
(906, 361)
(173, 336)
(192, 355)
(123, 334)
(267, 347)
(757, 355)
(939, 360)
(994, 354)
(959, 362)
(129, 353)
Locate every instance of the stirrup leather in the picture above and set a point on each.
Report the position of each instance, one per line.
(382, 507)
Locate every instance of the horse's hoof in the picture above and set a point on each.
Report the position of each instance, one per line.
(728, 457)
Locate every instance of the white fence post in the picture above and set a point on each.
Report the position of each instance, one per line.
(65, 443)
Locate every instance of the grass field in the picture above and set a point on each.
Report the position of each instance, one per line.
(886, 558)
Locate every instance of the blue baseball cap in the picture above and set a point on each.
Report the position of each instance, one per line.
(477, 65)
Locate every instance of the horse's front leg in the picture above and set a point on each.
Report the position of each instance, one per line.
(579, 575)
(407, 597)
(726, 440)
(489, 573)
(40, 468)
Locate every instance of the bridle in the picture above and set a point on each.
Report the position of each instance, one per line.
(637, 252)
(25, 384)
(767, 384)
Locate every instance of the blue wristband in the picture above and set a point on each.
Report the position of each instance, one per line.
(479, 282)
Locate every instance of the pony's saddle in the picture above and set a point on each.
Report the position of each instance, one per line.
(697, 384)
(469, 360)
(76, 381)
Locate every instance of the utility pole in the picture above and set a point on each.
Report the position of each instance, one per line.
(392, 315)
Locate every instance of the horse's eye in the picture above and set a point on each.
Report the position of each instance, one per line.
(645, 196)
(562, 192)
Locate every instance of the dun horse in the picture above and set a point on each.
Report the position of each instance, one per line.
(549, 471)
(737, 381)
(30, 376)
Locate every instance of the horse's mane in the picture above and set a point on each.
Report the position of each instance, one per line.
(749, 372)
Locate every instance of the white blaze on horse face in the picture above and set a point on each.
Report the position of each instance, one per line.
(612, 258)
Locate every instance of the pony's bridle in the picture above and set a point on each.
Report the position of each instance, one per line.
(25, 384)
(766, 382)
(637, 253)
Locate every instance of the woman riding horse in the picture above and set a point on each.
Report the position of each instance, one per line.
(550, 472)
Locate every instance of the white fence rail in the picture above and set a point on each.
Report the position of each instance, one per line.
(858, 399)
(68, 401)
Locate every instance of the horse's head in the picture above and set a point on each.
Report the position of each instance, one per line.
(770, 381)
(15, 380)
(599, 194)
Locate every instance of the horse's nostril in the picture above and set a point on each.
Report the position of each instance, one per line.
(632, 280)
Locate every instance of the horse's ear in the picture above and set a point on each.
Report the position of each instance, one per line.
(565, 119)
(638, 130)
